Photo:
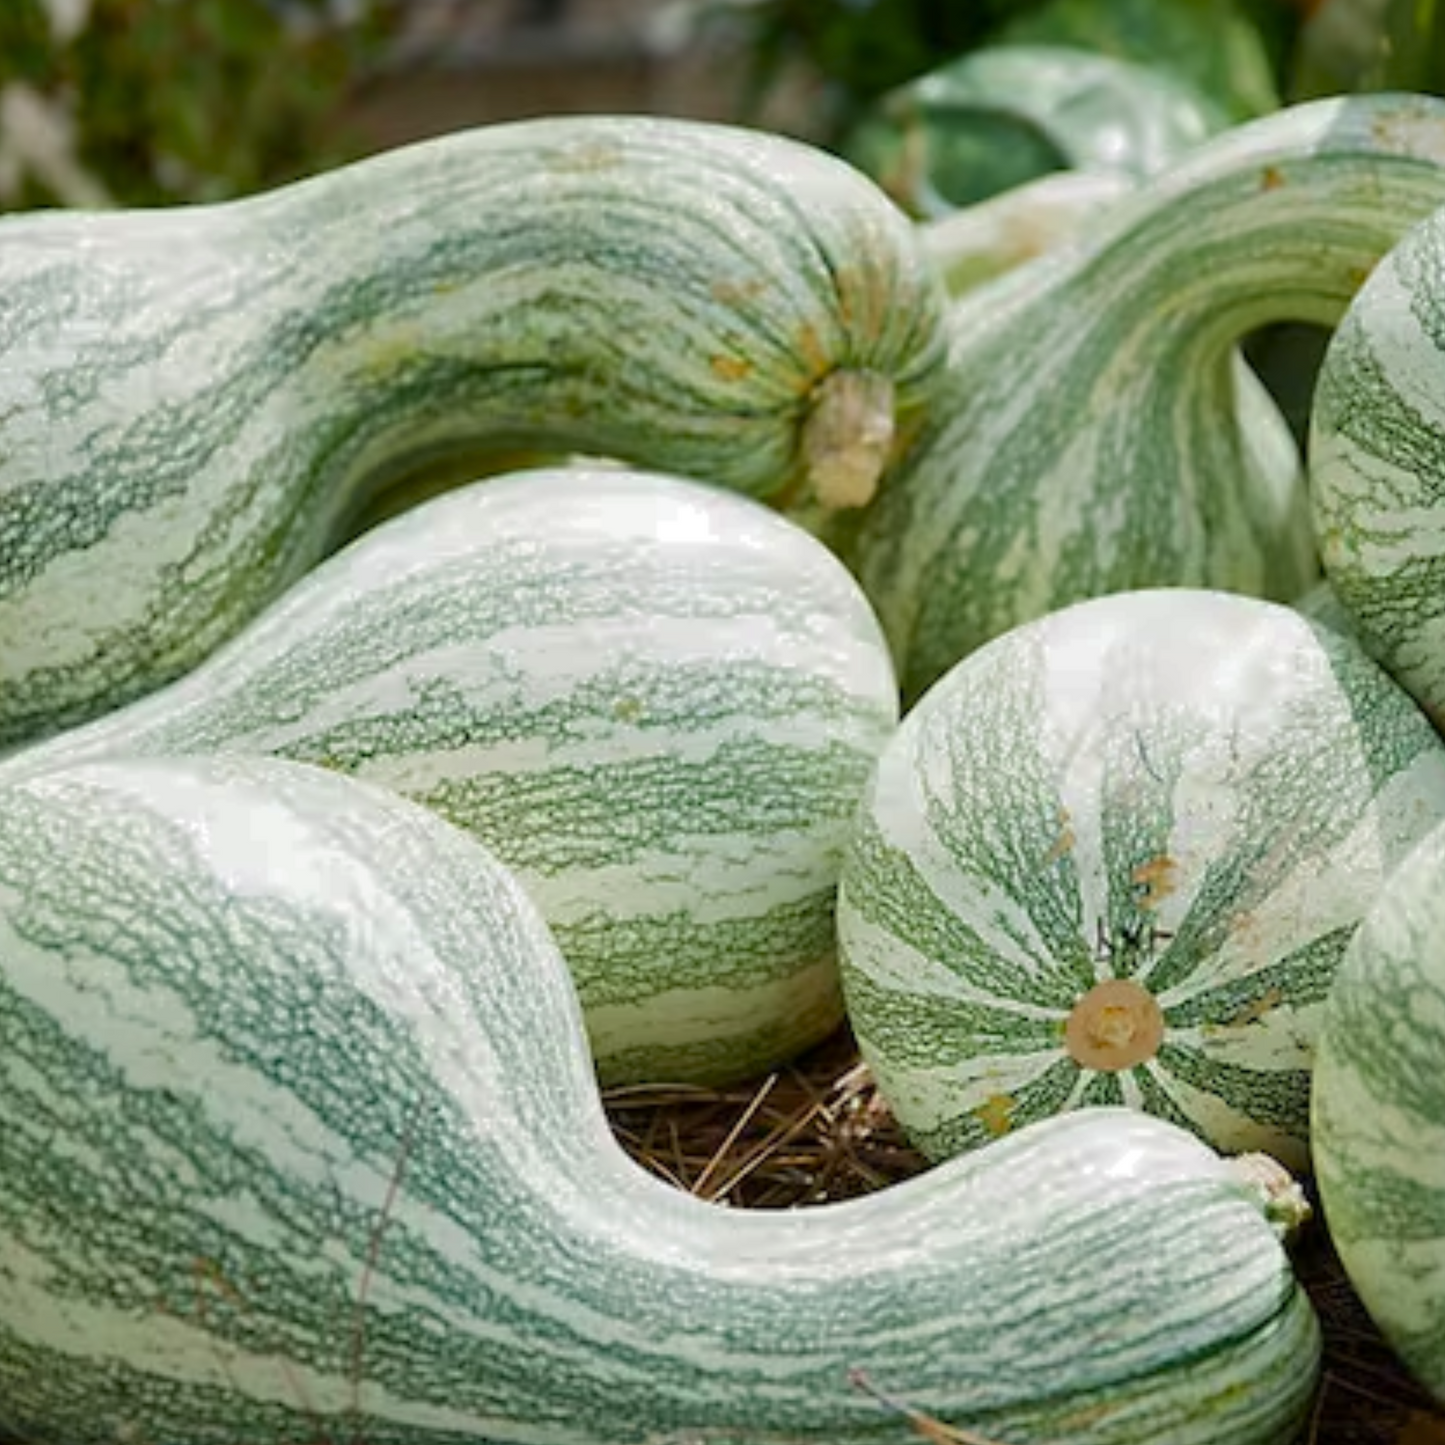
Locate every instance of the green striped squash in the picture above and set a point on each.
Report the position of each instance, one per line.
(299, 1141)
(193, 401)
(979, 243)
(1378, 1111)
(657, 701)
(1377, 462)
(1001, 115)
(1097, 431)
(1114, 856)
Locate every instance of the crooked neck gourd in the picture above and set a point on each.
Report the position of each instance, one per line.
(193, 401)
(658, 702)
(299, 1141)
(1097, 431)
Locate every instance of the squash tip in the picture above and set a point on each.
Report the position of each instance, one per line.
(848, 437)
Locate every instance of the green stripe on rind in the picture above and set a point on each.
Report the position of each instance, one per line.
(1379, 1112)
(1198, 791)
(658, 702)
(1096, 430)
(193, 401)
(299, 1140)
(1377, 459)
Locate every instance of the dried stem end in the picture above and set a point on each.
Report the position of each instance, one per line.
(1279, 1193)
(848, 438)
(1117, 1024)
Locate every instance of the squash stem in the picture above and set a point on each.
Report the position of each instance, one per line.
(1277, 1191)
(848, 437)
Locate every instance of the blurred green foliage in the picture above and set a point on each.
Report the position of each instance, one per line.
(160, 102)
(1373, 45)
(1247, 56)
(1231, 50)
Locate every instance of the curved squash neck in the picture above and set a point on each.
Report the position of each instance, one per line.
(1282, 221)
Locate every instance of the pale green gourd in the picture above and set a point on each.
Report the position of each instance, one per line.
(1115, 856)
(1098, 432)
(1377, 463)
(195, 401)
(1378, 1111)
(1004, 114)
(658, 702)
(982, 242)
(299, 1141)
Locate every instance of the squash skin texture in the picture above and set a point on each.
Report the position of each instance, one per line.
(657, 701)
(299, 1140)
(194, 401)
(1115, 856)
(1097, 431)
(1377, 459)
(1376, 1110)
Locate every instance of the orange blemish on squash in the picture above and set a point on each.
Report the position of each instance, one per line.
(996, 1114)
(1271, 178)
(1085, 1419)
(737, 293)
(588, 155)
(1158, 878)
(1064, 843)
(731, 368)
(1356, 276)
(1256, 1009)
(815, 357)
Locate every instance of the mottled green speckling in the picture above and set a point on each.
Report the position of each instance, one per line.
(194, 401)
(658, 702)
(299, 1141)
(1097, 430)
(1197, 792)
(1377, 463)
(1379, 1112)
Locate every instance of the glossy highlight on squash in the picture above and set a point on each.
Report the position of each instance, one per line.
(299, 1141)
(193, 401)
(657, 701)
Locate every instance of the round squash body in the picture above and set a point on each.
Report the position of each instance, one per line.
(1114, 857)
(1377, 462)
(194, 401)
(1378, 1111)
(299, 1141)
(657, 701)
(1096, 430)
